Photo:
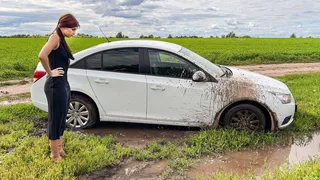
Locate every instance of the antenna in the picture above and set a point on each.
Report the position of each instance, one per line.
(81, 6)
(104, 34)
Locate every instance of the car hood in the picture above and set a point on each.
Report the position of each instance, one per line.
(258, 80)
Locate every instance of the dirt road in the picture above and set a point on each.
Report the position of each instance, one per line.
(274, 70)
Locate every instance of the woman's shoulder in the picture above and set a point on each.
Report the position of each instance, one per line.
(54, 38)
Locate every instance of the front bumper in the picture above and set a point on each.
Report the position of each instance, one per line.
(287, 116)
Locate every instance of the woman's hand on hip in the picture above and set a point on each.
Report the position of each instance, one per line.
(57, 72)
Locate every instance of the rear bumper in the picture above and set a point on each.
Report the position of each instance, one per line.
(38, 96)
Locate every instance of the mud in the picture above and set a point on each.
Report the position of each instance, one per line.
(129, 169)
(239, 163)
(138, 135)
(40, 126)
(260, 160)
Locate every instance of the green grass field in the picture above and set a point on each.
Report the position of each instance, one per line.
(18, 56)
(24, 151)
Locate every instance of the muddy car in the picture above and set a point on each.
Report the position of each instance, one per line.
(155, 82)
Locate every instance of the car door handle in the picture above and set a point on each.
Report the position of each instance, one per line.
(157, 87)
(101, 81)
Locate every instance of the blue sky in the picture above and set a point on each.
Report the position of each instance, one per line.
(256, 18)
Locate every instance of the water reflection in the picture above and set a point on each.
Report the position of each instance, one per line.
(305, 149)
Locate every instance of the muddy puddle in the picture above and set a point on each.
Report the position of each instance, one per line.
(255, 161)
(137, 135)
(258, 161)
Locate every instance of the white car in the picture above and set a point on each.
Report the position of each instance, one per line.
(155, 82)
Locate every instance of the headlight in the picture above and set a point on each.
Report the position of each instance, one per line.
(284, 98)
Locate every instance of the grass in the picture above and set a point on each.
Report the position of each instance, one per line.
(26, 157)
(235, 51)
(19, 81)
(23, 155)
(306, 91)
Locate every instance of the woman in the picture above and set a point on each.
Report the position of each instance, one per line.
(55, 58)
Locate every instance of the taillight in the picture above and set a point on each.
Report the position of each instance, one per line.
(38, 74)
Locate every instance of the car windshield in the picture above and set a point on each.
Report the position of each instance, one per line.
(217, 69)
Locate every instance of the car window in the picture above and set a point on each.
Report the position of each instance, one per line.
(170, 65)
(93, 62)
(121, 60)
(78, 65)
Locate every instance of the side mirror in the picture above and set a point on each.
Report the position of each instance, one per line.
(199, 76)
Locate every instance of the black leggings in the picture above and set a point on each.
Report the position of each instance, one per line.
(58, 98)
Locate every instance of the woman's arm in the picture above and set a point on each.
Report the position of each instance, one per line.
(51, 44)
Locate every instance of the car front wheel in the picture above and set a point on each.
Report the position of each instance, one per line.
(82, 112)
(245, 117)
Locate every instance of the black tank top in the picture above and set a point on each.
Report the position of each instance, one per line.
(59, 58)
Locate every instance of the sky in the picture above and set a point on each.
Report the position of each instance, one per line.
(256, 18)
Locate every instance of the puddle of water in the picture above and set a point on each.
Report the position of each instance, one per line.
(258, 161)
(130, 169)
(240, 162)
(137, 135)
(302, 150)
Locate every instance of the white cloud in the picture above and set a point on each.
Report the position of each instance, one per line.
(252, 24)
(129, 2)
(163, 17)
(214, 26)
(232, 22)
(214, 9)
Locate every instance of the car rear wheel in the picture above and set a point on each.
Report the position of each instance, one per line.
(82, 113)
(245, 117)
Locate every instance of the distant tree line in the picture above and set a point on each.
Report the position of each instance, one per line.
(85, 35)
(229, 35)
(120, 35)
(22, 36)
(41, 36)
(149, 36)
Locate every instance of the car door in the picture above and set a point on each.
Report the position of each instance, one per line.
(115, 78)
(172, 94)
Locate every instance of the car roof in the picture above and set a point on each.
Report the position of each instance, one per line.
(130, 43)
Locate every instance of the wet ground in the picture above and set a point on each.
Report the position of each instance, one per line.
(137, 135)
(256, 161)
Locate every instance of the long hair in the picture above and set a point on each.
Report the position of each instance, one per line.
(67, 21)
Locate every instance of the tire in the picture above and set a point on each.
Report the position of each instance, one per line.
(89, 115)
(245, 117)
